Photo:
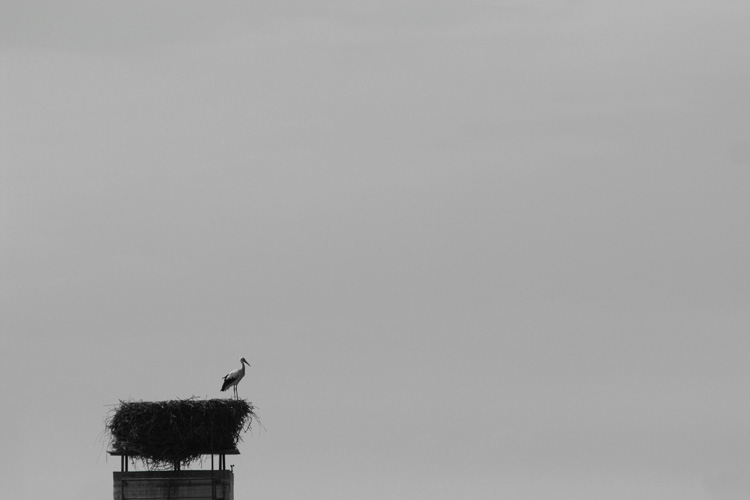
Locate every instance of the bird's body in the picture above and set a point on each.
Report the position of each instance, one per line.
(233, 378)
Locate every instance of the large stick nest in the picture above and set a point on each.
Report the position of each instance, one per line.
(165, 433)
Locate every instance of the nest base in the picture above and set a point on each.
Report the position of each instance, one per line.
(178, 432)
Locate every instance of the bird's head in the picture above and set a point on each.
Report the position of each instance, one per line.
(243, 360)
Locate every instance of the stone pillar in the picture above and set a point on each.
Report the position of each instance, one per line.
(175, 485)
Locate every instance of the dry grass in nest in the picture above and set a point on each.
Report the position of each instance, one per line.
(165, 433)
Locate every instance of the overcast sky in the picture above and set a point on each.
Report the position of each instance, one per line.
(480, 250)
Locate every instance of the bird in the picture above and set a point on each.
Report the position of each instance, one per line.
(233, 378)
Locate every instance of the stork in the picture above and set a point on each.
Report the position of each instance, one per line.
(233, 378)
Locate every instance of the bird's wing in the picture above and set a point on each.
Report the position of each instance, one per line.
(229, 379)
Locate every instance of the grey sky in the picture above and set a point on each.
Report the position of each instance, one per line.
(471, 249)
